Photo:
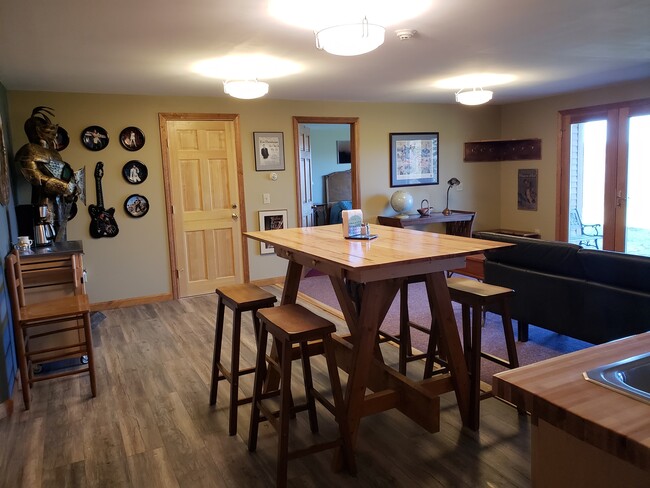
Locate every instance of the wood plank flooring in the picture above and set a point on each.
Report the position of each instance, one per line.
(151, 426)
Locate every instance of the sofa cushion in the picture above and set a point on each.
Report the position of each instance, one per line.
(617, 269)
(542, 299)
(553, 257)
(612, 313)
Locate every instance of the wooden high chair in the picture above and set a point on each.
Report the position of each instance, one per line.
(49, 319)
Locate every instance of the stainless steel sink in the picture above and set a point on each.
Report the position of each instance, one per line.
(629, 376)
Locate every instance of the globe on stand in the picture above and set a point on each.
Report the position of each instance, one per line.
(401, 201)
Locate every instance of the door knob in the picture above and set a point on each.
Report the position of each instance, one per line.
(235, 216)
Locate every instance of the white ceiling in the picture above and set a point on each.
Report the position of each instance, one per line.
(147, 47)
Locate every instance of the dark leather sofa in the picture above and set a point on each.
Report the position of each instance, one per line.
(594, 296)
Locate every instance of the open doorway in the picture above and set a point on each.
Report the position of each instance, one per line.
(310, 185)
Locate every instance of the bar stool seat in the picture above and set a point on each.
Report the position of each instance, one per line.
(291, 325)
(475, 296)
(238, 298)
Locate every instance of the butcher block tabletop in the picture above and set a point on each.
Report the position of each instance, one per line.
(556, 392)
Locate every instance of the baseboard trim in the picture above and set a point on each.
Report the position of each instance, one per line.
(269, 281)
(6, 408)
(130, 302)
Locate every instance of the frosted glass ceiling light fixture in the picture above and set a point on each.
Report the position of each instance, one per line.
(350, 39)
(476, 96)
(246, 89)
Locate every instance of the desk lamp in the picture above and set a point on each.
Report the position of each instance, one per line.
(451, 182)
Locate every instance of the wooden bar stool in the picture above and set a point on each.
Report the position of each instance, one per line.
(475, 296)
(291, 325)
(406, 353)
(55, 321)
(238, 298)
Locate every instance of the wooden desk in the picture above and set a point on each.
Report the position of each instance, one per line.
(382, 265)
(583, 434)
(432, 218)
(516, 233)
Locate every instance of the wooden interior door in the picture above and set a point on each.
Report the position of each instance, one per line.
(306, 176)
(205, 205)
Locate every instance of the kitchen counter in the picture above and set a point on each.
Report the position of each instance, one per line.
(54, 249)
(583, 434)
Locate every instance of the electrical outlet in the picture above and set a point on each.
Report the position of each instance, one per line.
(266, 197)
(459, 187)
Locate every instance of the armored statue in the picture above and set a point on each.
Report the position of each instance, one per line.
(54, 183)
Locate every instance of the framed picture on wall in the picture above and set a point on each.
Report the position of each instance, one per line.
(414, 159)
(269, 151)
(527, 189)
(271, 220)
(343, 153)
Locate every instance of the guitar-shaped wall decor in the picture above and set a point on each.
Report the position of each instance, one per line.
(102, 221)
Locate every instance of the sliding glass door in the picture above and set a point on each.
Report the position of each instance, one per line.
(604, 175)
(637, 203)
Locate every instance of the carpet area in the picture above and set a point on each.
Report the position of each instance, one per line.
(542, 344)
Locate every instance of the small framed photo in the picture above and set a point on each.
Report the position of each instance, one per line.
(527, 189)
(271, 220)
(269, 151)
(343, 153)
(414, 159)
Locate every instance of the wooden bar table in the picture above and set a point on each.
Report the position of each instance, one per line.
(381, 265)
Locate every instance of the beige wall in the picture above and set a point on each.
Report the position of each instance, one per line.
(136, 262)
(540, 119)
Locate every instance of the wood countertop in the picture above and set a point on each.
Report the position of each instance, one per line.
(556, 392)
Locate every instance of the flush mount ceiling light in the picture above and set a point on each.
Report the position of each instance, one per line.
(476, 96)
(350, 39)
(246, 89)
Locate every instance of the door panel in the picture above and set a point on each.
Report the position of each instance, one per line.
(306, 176)
(636, 202)
(205, 198)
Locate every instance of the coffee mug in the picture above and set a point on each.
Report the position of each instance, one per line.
(24, 242)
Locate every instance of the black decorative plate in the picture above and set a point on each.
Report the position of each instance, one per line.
(61, 140)
(131, 138)
(136, 205)
(94, 138)
(135, 172)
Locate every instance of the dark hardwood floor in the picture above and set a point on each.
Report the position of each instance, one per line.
(151, 426)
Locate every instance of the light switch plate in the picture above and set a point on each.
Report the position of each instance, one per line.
(266, 197)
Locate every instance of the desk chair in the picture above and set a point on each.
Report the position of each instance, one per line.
(47, 319)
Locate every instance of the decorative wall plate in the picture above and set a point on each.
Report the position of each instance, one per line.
(135, 172)
(131, 138)
(61, 140)
(94, 138)
(136, 205)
